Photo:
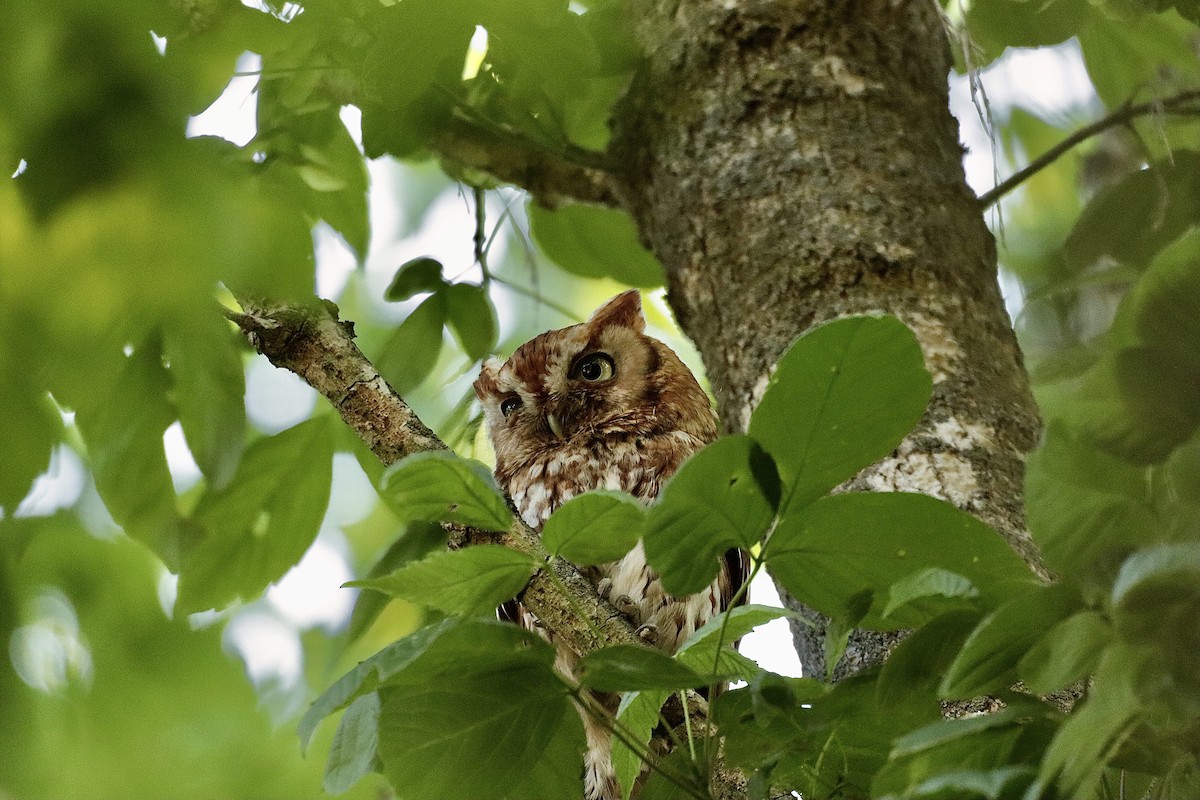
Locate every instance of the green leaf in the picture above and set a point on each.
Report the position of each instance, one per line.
(594, 528)
(721, 498)
(841, 398)
(1134, 219)
(472, 318)
(418, 540)
(999, 24)
(623, 668)
(123, 431)
(595, 242)
(1095, 729)
(470, 581)
(915, 668)
(352, 754)
(417, 275)
(369, 674)
(988, 659)
(710, 650)
(860, 542)
(438, 486)
(206, 367)
(258, 527)
(992, 784)
(1087, 510)
(411, 352)
(1156, 602)
(931, 591)
(938, 733)
(638, 714)
(1144, 57)
(1068, 652)
(447, 731)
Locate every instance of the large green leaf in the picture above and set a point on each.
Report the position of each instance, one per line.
(470, 715)
(723, 497)
(623, 668)
(844, 545)
(256, 528)
(124, 431)
(594, 528)
(352, 754)
(988, 659)
(441, 487)
(841, 397)
(469, 581)
(367, 675)
(915, 667)
(1140, 56)
(421, 274)
(1134, 219)
(998, 24)
(1068, 652)
(411, 352)
(595, 243)
(206, 368)
(1087, 510)
(418, 540)
(472, 318)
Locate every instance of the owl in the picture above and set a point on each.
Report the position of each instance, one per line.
(601, 405)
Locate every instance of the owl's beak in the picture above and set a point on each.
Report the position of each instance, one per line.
(555, 425)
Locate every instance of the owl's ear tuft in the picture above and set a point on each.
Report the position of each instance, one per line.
(624, 311)
(486, 383)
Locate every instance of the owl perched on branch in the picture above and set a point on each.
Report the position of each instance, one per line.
(601, 405)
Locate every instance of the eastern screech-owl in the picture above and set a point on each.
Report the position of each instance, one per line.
(601, 405)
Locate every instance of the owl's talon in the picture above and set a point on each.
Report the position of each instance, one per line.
(604, 587)
(648, 633)
(630, 609)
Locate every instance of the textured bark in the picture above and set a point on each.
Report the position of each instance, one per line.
(794, 162)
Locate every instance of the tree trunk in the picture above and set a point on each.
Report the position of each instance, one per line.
(794, 162)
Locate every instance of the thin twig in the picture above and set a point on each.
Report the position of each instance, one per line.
(1176, 104)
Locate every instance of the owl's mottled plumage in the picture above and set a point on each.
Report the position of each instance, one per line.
(601, 405)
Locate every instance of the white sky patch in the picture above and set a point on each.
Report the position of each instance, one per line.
(275, 398)
(771, 644)
(335, 259)
(232, 115)
(22, 165)
(1062, 84)
(269, 647)
(56, 488)
(184, 472)
(310, 594)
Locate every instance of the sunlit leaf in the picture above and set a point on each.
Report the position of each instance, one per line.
(471, 316)
(595, 242)
(206, 368)
(352, 754)
(441, 487)
(124, 433)
(470, 581)
(256, 528)
(411, 352)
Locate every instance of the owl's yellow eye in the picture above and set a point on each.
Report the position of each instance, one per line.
(509, 405)
(594, 368)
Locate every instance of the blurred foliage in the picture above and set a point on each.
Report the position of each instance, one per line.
(121, 236)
